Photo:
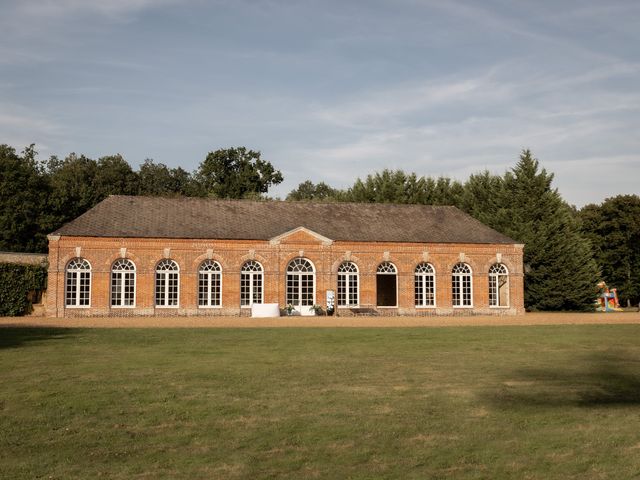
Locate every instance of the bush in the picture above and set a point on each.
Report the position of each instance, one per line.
(16, 281)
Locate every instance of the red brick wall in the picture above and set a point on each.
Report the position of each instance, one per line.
(274, 257)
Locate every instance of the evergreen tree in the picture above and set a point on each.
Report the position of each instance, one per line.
(482, 198)
(560, 273)
(396, 186)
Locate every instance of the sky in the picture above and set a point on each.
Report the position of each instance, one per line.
(332, 90)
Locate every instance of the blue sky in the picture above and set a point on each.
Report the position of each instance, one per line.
(330, 91)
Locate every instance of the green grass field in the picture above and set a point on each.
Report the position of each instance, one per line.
(478, 402)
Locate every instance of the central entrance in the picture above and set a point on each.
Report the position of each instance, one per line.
(386, 285)
(301, 291)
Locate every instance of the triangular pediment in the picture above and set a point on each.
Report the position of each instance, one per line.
(300, 235)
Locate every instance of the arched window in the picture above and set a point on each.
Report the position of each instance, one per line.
(167, 283)
(425, 285)
(498, 286)
(348, 289)
(123, 283)
(209, 284)
(386, 285)
(251, 283)
(78, 283)
(300, 283)
(461, 285)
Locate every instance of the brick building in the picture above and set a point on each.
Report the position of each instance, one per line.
(193, 256)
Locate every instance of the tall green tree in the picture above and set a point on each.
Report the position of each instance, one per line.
(114, 176)
(310, 191)
(24, 192)
(482, 197)
(396, 186)
(78, 183)
(444, 191)
(72, 187)
(158, 179)
(236, 173)
(560, 273)
(613, 228)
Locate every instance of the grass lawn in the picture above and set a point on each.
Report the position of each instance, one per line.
(546, 402)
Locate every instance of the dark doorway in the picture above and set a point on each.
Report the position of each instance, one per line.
(386, 290)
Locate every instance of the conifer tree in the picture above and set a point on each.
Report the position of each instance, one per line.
(560, 273)
(482, 197)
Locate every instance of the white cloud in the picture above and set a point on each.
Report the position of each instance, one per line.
(439, 88)
(382, 107)
(456, 126)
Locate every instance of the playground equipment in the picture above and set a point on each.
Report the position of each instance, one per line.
(607, 299)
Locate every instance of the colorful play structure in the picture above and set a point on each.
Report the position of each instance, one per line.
(607, 299)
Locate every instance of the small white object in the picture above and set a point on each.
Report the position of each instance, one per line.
(264, 310)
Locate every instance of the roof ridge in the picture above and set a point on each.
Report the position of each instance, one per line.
(275, 200)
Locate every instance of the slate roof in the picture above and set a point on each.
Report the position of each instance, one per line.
(203, 218)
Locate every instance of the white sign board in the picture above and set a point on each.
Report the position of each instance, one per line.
(331, 297)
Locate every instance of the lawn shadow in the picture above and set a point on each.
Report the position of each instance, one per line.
(14, 337)
(607, 378)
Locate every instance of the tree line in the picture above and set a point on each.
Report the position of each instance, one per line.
(40, 196)
(567, 251)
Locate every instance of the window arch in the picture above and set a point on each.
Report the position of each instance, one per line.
(78, 283)
(167, 284)
(301, 277)
(348, 285)
(498, 285)
(386, 285)
(251, 283)
(123, 283)
(210, 284)
(461, 285)
(425, 285)
(387, 267)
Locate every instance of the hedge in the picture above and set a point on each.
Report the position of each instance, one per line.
(16, 281)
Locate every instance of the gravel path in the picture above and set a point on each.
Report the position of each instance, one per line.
(244, 322)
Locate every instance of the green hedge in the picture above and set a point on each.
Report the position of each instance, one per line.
(16, 281)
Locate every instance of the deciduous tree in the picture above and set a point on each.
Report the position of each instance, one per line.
(114, 176)
(236, 173)
(24, 192)
(308, 190)
(158, 179)
(613, 228)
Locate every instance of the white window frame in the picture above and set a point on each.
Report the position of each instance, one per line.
(256, 270)
(122, 274)
(496, 271)
(75, 268)
(424, 276)
(217, 271)
(459, 275)
(166, 272)
(381, 271)
(294, 270)
(349, 277)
